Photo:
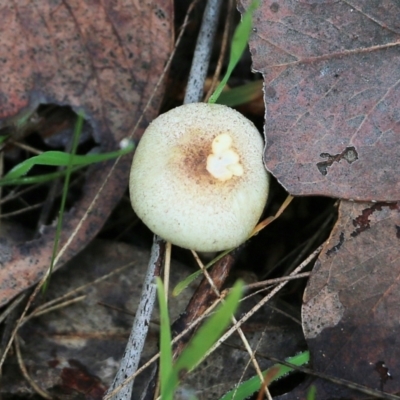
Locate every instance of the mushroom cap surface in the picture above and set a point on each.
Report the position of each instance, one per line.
(175, 195)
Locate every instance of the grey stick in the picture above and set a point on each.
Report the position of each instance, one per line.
(202, 53)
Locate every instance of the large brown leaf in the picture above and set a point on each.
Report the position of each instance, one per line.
(352, 301)
(100, 57)
(331, 71)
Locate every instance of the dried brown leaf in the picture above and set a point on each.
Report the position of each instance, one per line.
(100, 57)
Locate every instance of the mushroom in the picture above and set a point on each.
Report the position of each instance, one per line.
(198, 179)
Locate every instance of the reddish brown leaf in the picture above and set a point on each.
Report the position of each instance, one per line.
(352, 301)
(100, 57)
(331, 71)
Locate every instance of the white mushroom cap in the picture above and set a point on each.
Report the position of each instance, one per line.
(198, 179)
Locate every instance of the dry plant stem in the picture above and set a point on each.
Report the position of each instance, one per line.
(201, 300)
(56, 307)
(266, 381)
(134, 348)
(372, 393)
(21, 318)
(222, 52)
(26, 147)
(311, 242)
(62, 301)
(24, 372)
(11, 307)
(268, 220)
(231, 330)
(274, 281)
(20, 211)
(240, 331)
(202, 53)
(287, 278)
(167, 269)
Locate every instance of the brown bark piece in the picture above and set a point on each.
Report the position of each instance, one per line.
(100, 57)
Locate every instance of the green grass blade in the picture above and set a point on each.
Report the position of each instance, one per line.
(168, 385)
(32, 180)
(3, 138)
(239, 43)
(205, 337)
(182, 285)
(59, 158)
(312, 392)
(247, 388)
(241, 94)
(210, 332)
(75, 141)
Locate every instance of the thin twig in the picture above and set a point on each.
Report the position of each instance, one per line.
(202, 53)
(231, 330)
(222, 52)
(46, 307)
(137, 337)
(11, 307)
(41, 392)
(378, 394)
(274, 281)
(167, 269)
(240, 331)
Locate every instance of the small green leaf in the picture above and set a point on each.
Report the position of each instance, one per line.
(241, 94)
(182, 285)
(58, 158)
(247, 388)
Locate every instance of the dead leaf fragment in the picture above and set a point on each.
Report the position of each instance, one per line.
(360, 269)
(331, 73)
(104, 58)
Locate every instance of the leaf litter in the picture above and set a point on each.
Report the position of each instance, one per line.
(87, 56)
